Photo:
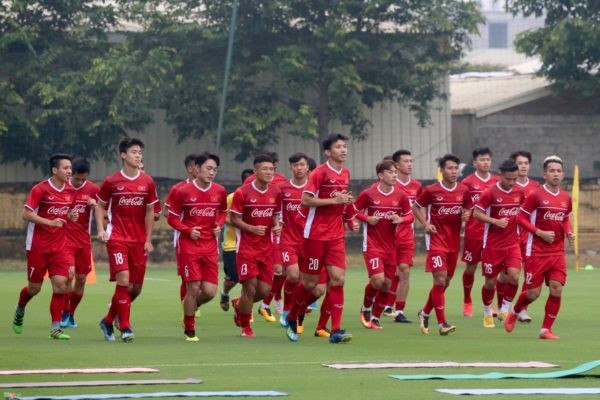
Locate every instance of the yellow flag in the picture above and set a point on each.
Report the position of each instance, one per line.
(575, 199)
(439, 175)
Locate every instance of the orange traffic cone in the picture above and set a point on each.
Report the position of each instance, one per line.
(91, 277)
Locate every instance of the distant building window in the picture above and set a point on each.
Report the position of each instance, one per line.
(498, 33)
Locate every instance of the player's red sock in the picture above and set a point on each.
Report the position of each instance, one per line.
(182, 290)
(487, 296)
(439, 303)
(57, 302)
(24, 297)
(278, 282)
(288, 292)
(552, 307)
(189, 321)
(429, 304)
(510, 291)
(75, 299)
(245, 320)
(400, 305)
(325, 312)
(524, 290)
(336, 298)
(467, 286)
(521, 303)
(308, 300)
(297, 301)
(500, 288)
(370, 293)
(122, 302)
(67, 305)
(379, 304)
(392, 293)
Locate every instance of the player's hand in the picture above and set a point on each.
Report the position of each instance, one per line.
(91, 202)
(73, 215)
(396, 219)
(501, 223)
(466, 214)
(276, 229)
(547, 236)
(195, 233)
(57, 222)
(571, 238)
(216, 230)
(431, 229)
(259, 230)
(344, 197)
(371, 220)
(102, 235)
(148, 247)
(157, 216)
(355, 225)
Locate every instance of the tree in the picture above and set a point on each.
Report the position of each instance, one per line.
(64, 86)
(301, 64)
(568, 43)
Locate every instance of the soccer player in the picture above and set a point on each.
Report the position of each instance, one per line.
(255, 213)
(229, 245)
(198, 210)
(405, 237)
(291, 230)
(326, 197)
(497, 208)
(477, 183)
(79, 244)
(545, 215)
(130, 195)
(47, 209)
(382, 207)
(446, 205)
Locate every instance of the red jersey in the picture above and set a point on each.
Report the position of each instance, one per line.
(78, 233)
(256, 207)
(526, 188)
(291, 196)
(48, 202)
(444, 211)
(278, 179)
(546, 211)
(326, 222)
(405, 234)
(375, 203)
(174, 188)
(199, 208)
(127, 199)
(476, 186)
(498, 203)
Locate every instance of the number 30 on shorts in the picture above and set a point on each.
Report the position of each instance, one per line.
(437, 261)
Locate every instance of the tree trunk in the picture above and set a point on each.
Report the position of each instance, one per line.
(323, 109)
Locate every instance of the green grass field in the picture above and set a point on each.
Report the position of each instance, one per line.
(224, 361)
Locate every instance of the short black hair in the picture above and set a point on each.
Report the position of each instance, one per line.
(190, 158)
(508, 166)
(331, 139)
(294, 158)
(81, 166)
(448, 157)
(520, 153)
(246, 173)
(274, 156)
(204, 157)
(481, 151)
(263, 158)
(56, 158)
(399, 153)
(312, 164)
(552, 159)
(128, 142)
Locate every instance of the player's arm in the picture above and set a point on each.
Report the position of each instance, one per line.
(149, 224)
(236, 220)
(523, 220)
(99, 216)
(277, 224)
(30, 216)
(309, 199)
(419, 214)
(480, 216)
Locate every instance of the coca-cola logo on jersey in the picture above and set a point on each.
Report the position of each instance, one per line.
(131, 201)
(508, 212)
(292, 207)
(267, 212)
(79, 208)
(58, 210)
(203, 212)
(384, 214)
(449, 210)
(554, 216)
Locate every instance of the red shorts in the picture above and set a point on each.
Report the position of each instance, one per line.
(319, 253)
(494, 261)
(290, 254)
(81, 258)
(127, 256)
(405, 255)
(56, 263)
(380, 263)
(472, 251)
(250, 266)
(198, 267)
(441, 261)
(540, 269)
(277, 257)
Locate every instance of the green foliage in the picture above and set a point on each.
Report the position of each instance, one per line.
(64, 86)
(568, 44)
